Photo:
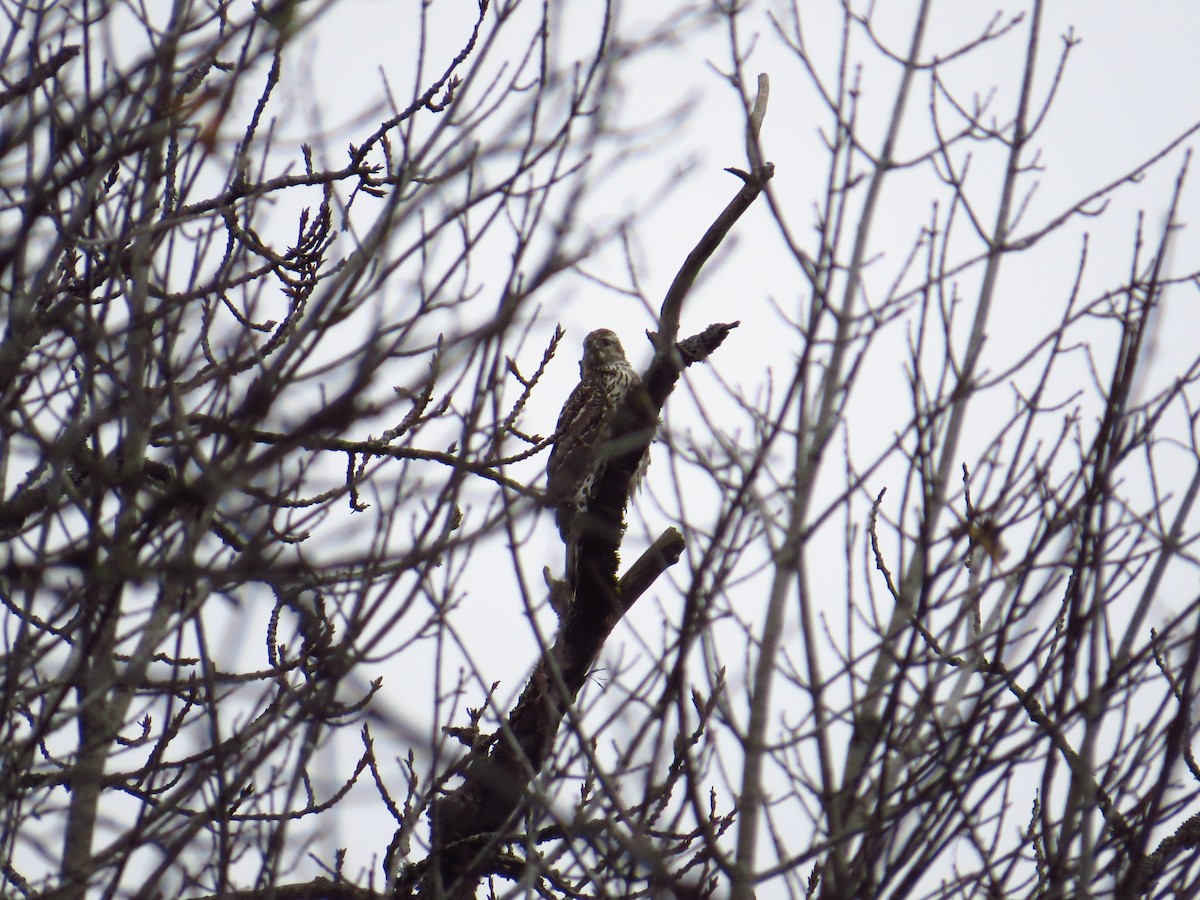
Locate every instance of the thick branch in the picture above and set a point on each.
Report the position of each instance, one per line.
(753, 184)
(672, 306)
(495, 784)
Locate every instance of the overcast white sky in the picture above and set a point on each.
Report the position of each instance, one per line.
(1129, 88)
(1132, 85)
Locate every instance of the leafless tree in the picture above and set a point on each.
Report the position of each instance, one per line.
(973, 701)
(919, 617)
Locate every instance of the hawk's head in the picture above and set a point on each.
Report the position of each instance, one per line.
(601, 348)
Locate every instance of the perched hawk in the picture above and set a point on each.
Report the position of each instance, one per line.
(579, 452)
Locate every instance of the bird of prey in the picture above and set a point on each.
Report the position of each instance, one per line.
(583, 439)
